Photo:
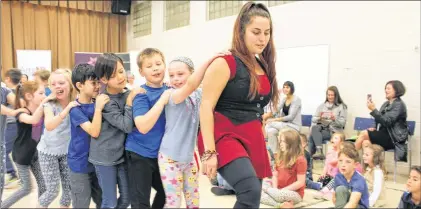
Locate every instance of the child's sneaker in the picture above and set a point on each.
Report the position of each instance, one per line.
(11, 182)
(218, 191)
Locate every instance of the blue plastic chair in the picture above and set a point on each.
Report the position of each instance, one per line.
(306, 120)
(361, 124)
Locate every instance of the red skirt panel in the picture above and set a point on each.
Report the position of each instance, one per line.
(235, 141)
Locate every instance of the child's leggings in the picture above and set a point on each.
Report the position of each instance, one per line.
(25, 179)
(275, 197)
(178, 178)
(53, 169)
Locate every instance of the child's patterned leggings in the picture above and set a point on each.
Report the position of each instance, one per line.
(53, 169)
(275, 197)
(178, 178)
(24, 172)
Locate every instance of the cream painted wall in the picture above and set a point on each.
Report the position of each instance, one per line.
(371, 42)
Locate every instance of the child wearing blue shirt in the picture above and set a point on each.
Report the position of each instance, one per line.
(412, 197)
(85, 123)
(351, 189)
(143, 142)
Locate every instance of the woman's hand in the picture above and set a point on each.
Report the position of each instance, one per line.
(371, 106)
(210, 167)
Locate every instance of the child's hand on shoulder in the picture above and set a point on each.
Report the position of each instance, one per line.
(101, 100)
(50, 97)
(17, 111)
(138, 90)
(166, 96)
(72, 105)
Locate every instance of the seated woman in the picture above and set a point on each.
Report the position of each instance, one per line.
(330, 117)
(289, 112)
(391, 126)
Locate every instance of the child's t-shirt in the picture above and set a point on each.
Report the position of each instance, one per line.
(147, 145)
(287, 176)
(356, 184)
(77, 157)
(47, 91)
(406, 202)
(182, 122)
(4, 92)
(331, 155)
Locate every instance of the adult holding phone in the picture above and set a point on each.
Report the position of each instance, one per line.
(330, 117)
(391, 128)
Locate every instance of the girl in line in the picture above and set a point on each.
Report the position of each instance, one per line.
(28, 134)
(288, 180)
(176, 154)
(375, 174)
(54, 143)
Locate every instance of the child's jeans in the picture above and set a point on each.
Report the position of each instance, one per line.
(109, 177)
(342, 195)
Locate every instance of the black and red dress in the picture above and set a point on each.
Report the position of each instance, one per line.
(238, 120)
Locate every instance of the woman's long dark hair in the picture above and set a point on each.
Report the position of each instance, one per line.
(338, 99)
(267, 57)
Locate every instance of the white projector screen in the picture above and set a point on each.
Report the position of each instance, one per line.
(308, 68)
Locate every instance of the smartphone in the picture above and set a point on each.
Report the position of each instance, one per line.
(369, 97)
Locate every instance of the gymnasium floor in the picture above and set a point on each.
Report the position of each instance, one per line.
(208, 200)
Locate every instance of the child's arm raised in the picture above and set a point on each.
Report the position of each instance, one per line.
(94, 128)
(52, 121)
(11, 112)
(146, 118)
(37, 115)
(193, 82)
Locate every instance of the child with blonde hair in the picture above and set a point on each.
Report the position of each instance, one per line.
(375, 174)
(288, 180)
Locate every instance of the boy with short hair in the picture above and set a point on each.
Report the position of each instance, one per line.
(309, 174)
(85, 123)
(42, 76)
(350, 187)
(143, 143)
(412, 198)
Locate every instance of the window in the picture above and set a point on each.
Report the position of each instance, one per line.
(177, 14)
(218, 9)
(278, 2)
(142, 20)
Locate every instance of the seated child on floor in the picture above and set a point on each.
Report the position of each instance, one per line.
(375, 174)
(309, 174)
(288, 181)
(412, 197)
(350, 186)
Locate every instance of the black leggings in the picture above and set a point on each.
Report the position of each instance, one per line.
(241, 176)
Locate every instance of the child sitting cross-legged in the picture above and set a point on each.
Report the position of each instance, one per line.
(288, 180)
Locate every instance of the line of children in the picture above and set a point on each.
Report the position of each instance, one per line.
(85, 123)
(24, 152)
(288, 180)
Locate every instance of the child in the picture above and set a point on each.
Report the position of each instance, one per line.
(288, 181)
(330, 169)
(182, 121)
(143, 143)
(12, 80)
(25, 145)
(309, 174)
(85, 123)
(375, 174)
(412, 198)
(350, 187)
(6, 98)
(106, 152)
(54, 143)
(42, 76)
(350, 145)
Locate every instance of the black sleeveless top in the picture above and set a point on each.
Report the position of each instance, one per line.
(24, 148)
(234, 102)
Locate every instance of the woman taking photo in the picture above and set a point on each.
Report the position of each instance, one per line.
(391, 131)
(235, 90)
(330, 117)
